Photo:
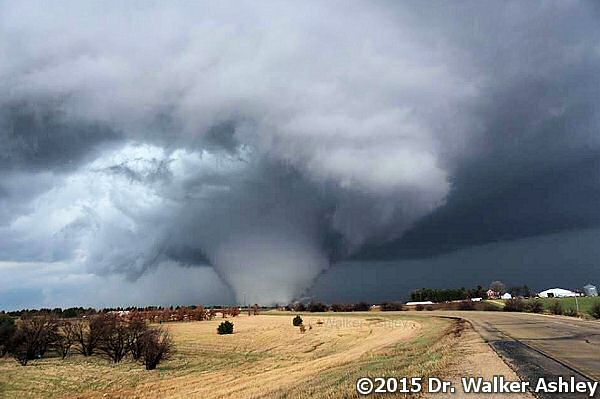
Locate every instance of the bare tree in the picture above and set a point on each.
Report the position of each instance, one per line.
(498, 286)
(115, 340)
(158, 346)
(66, 338)
(212, 313)
(89, 333)
(7, 329)
(33, 337)
(137, 330)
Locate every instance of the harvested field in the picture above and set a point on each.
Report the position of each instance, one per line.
(266, 357)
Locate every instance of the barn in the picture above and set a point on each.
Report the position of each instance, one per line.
(557, 293)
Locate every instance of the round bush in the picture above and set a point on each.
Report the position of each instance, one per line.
(297, 321)
(595, 310)
(571, 312)
(556, 307)
(225, 327)
(535, 306)
(514, 305)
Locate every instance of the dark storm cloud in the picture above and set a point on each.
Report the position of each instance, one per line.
(568, 259)
(222, 136)
(562, 199)
(268, 141)
(37, 135)
(531, 162)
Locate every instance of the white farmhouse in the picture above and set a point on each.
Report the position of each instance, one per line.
(506, 296)
(557, 293)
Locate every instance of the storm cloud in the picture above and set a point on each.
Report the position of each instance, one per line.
(267, 141)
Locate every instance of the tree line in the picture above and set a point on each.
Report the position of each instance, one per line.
(152, 314)
(322, 307)
(446, 295)
(103, 334)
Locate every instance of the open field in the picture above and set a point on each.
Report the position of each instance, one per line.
(266, 357)
(585, 303)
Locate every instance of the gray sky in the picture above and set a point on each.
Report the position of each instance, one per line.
(203, 152)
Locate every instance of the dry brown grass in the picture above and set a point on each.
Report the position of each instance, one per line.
(266, 357)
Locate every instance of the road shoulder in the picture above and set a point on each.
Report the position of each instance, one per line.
(475, 358)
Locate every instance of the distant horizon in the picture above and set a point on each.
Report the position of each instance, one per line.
(394, 282)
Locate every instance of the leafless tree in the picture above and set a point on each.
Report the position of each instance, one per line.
(33, 337)
(115, 339)
(67, 335)
(7, 329)
(158, 346)
(88, 333)
(212, 313)
(498, 286)
(137, 329)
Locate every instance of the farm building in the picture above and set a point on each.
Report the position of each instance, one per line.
(590, 290)
(491, 294)
(506, 296)
(557, 293)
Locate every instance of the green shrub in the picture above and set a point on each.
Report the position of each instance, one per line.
(490, 307)
(556, 308)
(571, 312)
(225, 327)
(297, 321)
(534, 306)
(514, 305)
(419, 307)
(595, 310)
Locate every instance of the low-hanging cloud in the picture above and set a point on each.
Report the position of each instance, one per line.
(268, 141)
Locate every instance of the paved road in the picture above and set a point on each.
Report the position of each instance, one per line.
(539, 345)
